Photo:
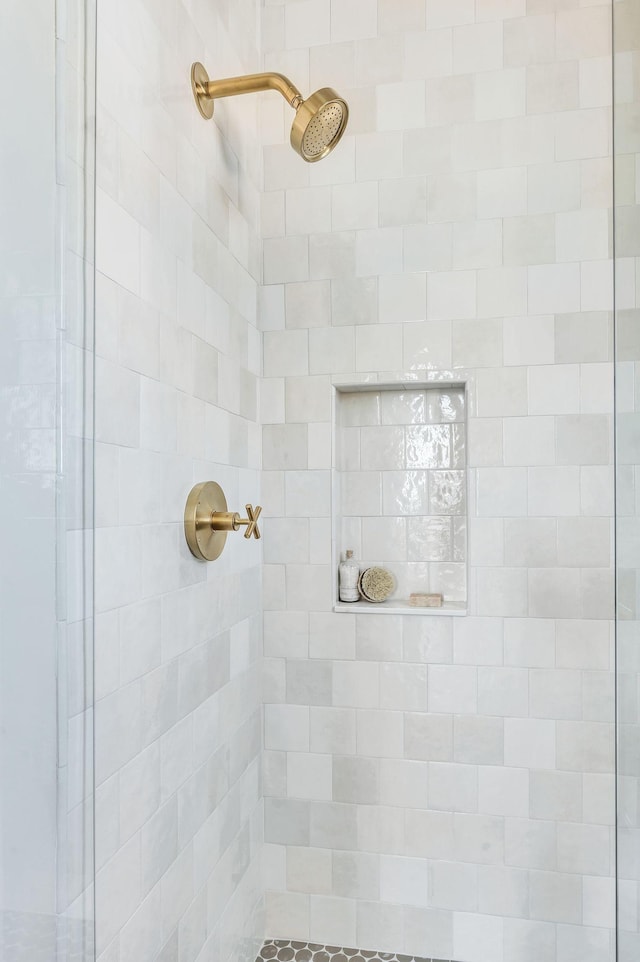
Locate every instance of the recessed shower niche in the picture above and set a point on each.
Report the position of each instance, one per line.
(400, 490)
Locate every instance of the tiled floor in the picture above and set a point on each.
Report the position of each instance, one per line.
(281, 950)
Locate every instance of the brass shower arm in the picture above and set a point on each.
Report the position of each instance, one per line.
(207, 91)
(254, 83)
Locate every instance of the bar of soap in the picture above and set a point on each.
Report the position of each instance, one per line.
(418, 600)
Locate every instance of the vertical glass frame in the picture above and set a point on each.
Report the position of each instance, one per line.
(626, 244)
(75, 181)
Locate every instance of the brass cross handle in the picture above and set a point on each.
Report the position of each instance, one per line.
(251, 521)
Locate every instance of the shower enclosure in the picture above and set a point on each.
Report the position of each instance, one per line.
(46, 478)
(179, 647)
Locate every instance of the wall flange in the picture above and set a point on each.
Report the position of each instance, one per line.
(199, 81)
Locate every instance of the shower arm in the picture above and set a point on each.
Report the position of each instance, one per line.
(250, 84)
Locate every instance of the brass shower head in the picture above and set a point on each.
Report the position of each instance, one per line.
(320, 120)
(319, 124)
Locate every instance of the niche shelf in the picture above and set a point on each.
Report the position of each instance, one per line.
(400, 489)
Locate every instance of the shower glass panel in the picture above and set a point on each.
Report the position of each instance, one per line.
(626, 74)
(47, 67)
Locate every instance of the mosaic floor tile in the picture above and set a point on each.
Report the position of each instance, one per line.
(283, 950)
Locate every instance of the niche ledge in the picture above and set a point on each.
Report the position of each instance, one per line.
(396, 606)
(400, 489)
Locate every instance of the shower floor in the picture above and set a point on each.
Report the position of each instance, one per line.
(281, 950)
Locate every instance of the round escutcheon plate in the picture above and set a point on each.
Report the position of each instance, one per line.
(205, 543)
(199, 79)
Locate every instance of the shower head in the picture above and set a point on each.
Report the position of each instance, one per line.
(318, 125)
(320, 120)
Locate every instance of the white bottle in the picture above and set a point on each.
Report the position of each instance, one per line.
(349, 573)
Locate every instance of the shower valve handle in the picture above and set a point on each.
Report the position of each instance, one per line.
(251, 521)
(231, 521)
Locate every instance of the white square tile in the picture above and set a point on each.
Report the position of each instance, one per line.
(529, 743)
(307, 23)
(400, 106)
(379, 347)
(402, 297)
(503, 791)
(477, 936)
(451, 295)
(353, 206)
(554, 288)
(477, 47)
(500, 93)
(502, 193)
(353, 20)
(308, 210)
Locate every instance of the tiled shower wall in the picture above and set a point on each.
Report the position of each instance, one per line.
(179, 818)
(443, 786)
